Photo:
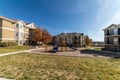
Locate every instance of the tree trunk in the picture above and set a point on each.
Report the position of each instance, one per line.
(65, 48)
(61, 48)
(45, 47)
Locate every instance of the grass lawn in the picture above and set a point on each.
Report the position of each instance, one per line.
(27, 66)
(12, 49)
(94, 48)
(97, 48)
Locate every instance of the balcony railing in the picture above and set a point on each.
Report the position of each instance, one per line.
(112, 34)
(111, 47)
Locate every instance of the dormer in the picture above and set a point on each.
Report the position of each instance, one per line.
(31, 25)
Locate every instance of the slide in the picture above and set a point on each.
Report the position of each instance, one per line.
(68, 45)
(55, 48)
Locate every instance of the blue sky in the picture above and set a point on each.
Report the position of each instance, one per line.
(83, 16)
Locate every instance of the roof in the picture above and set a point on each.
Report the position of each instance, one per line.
(28, 23)
(70, 34)
(111, 26)
(11, 20)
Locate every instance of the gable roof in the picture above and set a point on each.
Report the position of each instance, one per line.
(17, 21)
(31, 25)
(116, 25)
(4, 18)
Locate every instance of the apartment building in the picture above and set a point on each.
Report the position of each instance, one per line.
(75, 39)
(112, 37)
(15, 30)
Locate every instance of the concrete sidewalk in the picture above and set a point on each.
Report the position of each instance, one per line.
(6, 79)
(17, 52)
(5, 54)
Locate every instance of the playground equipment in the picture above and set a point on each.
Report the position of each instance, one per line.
(70, 46)
(55, 48)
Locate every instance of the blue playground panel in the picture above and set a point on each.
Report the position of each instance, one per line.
(55, 47)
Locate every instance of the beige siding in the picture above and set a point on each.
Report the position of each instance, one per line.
(8, 24)
(0, 22)
(0, 33)
(26, 33)
(26, 30)
(8, 34)
(0, 29)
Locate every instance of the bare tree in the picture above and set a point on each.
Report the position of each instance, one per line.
(62, 43)
(87, 40)
(46, 37)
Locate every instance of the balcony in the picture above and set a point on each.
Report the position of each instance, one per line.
(115, 33)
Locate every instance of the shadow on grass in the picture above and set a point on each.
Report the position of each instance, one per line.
(100, 53)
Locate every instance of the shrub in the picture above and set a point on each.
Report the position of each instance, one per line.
(4, 44)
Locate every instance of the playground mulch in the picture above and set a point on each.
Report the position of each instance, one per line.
(69, 52)
(77, 53)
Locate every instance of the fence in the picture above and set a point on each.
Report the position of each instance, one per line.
(112, 47)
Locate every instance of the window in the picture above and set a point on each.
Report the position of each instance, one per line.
(75, 37)
(17, 25)
(16, 33)
(118, 31)
(21, 26)
(107, 32)
(25, 35)
(115, 41)
(72, 37)
(111, 31)
(21, 34)
(27, 29)
(20, 42)
(119, 41)
(107, 40)
(115, 31)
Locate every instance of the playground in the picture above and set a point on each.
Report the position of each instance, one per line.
(69, 50)
(80, 52)
(68, 53)
(64, 47)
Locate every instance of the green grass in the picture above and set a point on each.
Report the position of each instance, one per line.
(12, 49)
(94, 48)
(27, 66)
(97, 48)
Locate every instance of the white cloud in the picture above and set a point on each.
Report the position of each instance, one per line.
(108, 13)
